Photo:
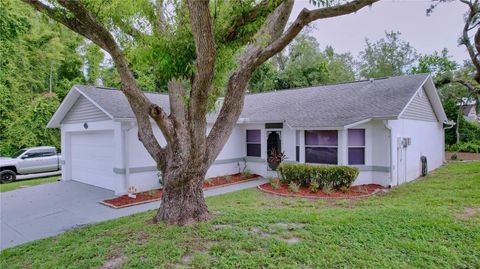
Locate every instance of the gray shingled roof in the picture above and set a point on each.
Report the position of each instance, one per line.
(335, 105)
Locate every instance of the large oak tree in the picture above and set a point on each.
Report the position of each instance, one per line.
(201, 33)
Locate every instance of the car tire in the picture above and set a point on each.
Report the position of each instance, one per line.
(7, 176)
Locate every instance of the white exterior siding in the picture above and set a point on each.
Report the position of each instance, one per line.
(420, 108)
(427, 139)
(84, 110)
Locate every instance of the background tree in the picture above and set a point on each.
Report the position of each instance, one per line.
(189, 52)
(93, 59)
(35, 53)
(340, 67)
(437, 64)
(303, 64)
(468, 77)
(389, 56)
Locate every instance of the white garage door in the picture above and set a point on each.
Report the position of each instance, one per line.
(93, 158)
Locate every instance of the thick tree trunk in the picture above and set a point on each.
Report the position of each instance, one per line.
(183, 201)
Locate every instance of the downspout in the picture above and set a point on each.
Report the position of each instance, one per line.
(389, 128)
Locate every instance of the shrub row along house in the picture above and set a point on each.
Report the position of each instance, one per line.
(381, 126)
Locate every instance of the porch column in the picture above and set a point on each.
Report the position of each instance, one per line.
(302, 146)
(343, 147)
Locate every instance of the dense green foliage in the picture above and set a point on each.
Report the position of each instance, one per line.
(33, 51)
(304, 65)
(389, 56)
(471, 146)
(429, 223)
(337, 177)
(469, 131)
(437, 64)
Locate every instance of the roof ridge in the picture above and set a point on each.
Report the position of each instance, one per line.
(333, 84)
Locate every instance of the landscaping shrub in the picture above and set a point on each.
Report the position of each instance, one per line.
(293, 187)
(314, 186)
(472, 146)
(303, 174)
(274, 182)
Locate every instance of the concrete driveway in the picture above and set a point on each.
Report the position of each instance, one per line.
(45, 210)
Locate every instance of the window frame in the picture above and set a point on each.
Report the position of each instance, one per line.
(358, 147)
(253, 143)
(319, 146)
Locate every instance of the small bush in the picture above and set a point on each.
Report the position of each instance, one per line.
(228, 178)
(344, 189)
(472, 146)
(247, 173)
(327, 188)
(303, 174)
(293, 187)
(314, 186)
(274, 182)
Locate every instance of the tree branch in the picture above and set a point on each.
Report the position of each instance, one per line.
(468, 85)
(261, 9)
(128, 29)
(161, 23)
(176, 94)
(473, 52)
(201, 23)
(307, 16)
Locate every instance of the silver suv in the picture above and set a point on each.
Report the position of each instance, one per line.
(29, 161)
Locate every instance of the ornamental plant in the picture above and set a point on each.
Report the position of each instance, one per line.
(304, 174)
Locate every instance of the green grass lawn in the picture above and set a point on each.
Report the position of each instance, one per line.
(430, 223)
(26, 183)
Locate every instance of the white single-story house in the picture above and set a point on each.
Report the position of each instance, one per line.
(382, 126)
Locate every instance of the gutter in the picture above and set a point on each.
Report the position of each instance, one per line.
(450, 124)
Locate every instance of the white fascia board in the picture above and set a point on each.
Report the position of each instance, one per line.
(63, 109)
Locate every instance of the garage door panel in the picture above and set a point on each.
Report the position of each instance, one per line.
(93, 158)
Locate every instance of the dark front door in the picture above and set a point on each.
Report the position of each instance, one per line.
(274, 142)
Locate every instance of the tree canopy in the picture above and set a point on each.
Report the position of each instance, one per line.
(389, 56)
(303, 64)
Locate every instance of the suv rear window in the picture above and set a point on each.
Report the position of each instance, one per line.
(18, 153)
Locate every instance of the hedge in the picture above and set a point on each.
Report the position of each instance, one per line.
(472, 146)
(336, 177)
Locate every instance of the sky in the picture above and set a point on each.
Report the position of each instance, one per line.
(425, 33)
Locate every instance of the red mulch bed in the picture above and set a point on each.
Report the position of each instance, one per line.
(156, 195)
(353, 192)
(226, 180)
